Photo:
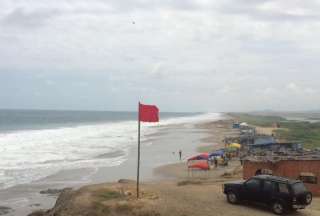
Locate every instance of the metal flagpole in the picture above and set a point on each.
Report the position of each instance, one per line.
(138, 167)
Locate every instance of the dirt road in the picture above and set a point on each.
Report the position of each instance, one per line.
(209, 200)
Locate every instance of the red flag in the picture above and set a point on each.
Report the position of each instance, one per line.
(148, 113)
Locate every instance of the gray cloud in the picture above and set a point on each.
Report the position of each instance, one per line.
(195, 55)
(21, 18)
(273, 10)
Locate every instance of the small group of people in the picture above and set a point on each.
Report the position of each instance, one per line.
(224, 161)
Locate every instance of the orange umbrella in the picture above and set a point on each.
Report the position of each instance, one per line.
(199, 165)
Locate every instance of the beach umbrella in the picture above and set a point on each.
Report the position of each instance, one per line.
(217, 153)
(235, 145)
(203, 156)
(199, 165)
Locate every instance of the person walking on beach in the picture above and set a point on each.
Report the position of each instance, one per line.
(180, 154)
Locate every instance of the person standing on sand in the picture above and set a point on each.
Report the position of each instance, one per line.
(180, 154)
(215, 162)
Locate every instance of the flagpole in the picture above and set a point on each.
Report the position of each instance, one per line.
(138, 166)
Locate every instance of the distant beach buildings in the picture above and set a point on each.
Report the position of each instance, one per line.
(262, 153)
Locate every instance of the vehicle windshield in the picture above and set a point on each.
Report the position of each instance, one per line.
(298, 188)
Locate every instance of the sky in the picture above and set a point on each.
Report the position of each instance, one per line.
(190, 55)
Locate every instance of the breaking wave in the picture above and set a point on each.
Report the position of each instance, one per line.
(30, 155)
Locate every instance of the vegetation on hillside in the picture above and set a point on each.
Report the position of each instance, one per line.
(257, 120)
(304, 132)
(299, 131)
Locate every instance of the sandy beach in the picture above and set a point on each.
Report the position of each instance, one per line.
(167, 189)
(158, 149)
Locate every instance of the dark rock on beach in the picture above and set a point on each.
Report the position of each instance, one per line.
(4, 210)
(38, 213)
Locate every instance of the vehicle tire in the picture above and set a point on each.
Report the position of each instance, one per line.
(278, 208)
(308, 198)
(232, 197)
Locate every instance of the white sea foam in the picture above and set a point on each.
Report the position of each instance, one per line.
(27, 156)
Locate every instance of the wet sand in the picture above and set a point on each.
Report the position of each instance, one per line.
(157, 150)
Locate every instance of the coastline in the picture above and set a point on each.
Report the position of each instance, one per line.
(171, 192)
(158, 149)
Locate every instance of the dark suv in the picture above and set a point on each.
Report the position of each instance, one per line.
(281, 194)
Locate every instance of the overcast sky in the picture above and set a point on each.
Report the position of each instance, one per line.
(183, 55)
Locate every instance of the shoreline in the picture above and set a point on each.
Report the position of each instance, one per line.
(158, 149)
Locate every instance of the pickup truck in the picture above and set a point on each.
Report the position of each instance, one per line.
(281, 194)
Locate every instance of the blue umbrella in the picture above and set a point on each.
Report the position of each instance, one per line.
(217, 153)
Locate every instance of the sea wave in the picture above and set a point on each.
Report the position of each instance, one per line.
(30, 155)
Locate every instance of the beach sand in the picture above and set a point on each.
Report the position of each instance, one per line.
(157, 149)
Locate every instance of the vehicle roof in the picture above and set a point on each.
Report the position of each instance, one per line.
(276, 178)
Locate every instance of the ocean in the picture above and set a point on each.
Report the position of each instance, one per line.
(35, 144)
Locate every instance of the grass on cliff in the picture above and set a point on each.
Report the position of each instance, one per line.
(257, 120)
(304, 132)
(107, 194)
